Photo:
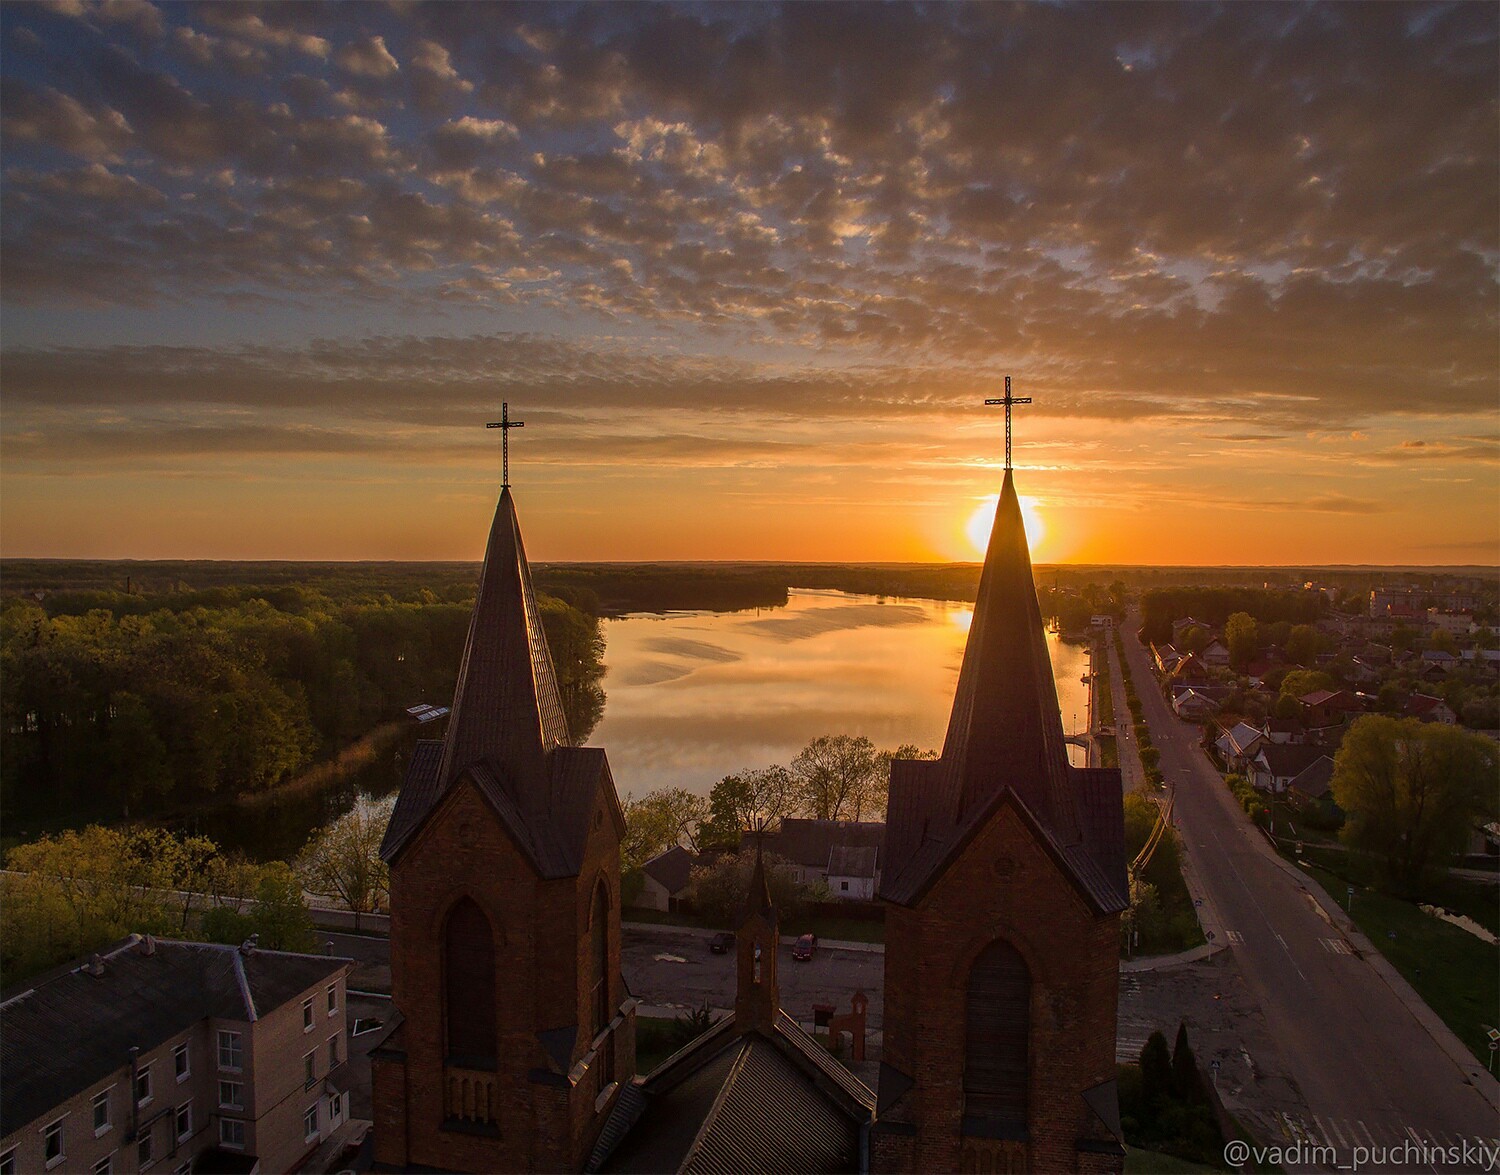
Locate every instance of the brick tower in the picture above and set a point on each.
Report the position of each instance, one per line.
(1003, 886)
(511, 1031)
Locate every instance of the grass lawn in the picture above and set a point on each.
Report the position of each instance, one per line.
(1457, 974)
(1139, 1162)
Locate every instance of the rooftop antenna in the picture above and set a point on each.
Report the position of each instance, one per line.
(505, 424)
(1007, 401)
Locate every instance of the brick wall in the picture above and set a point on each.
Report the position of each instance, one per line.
(1005, 885)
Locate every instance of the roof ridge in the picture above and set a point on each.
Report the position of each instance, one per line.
(244, 981)
(719, 1098)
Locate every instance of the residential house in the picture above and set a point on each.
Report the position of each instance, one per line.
(174, 1056)
(1457, 623)
(852, 871)
(809, 845)
(1481, 662)
(1190, 670)
(1310, 787)
(1239, 744)
(1276, 764)
(666, 878)
(1215, 655)
(1285, 730)
(1429, 709)
(1194, 706)
(1179, 627)
(1328, 707)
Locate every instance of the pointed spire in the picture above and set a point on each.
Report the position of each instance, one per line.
(1006, 729)
(506, 707)
(757, 996)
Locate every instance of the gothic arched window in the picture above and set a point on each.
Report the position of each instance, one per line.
(599, 959)
(998, 1025)
(469, 984)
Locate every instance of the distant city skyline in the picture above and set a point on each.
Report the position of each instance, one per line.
(748, 274)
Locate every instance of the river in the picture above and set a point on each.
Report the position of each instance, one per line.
(695, 696)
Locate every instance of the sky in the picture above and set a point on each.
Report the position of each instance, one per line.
(748, 273)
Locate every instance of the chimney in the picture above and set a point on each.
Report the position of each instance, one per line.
(149, 946)
(248, 946)
(96, 966)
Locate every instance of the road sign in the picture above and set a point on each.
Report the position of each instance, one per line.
(1214, 1064)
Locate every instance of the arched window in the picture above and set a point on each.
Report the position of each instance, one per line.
(599, 959)
(469, 985)
(998, 1025)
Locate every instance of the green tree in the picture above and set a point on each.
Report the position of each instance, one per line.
(718, 890)
(1186, 1081)
(1303, 644)
(659, 820)
(1156, 1069)
(839, 777)
(1413, 791)
(744, 801)
(1442, 641)
(1301, 682)
(280, 915)
(1241, 636)
(343, 858)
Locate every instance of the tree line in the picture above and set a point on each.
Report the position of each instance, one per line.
(834, 777)
(117, 704)
(1161, 606)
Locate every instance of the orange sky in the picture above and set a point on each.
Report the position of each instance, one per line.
(748, 274)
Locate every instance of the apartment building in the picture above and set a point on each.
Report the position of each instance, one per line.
(158, 1055)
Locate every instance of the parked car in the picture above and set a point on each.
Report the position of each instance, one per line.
(804, 947)
(721, 943)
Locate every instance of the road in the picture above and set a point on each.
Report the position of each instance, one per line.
(1370, 1071)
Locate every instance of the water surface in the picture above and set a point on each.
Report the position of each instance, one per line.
(695, 696)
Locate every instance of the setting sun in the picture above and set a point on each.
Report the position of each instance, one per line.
(982, 521)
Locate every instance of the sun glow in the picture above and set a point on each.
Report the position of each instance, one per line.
(982, 521)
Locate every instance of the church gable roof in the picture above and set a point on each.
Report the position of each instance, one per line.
(729, 1101)
(506, 705)
(1005, 738)
(507, 733)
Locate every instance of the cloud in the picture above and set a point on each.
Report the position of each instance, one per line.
(367, 59)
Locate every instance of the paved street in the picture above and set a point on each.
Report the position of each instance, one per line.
(1369, 1065)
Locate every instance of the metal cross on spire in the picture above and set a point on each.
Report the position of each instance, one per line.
(505, 424)
(1008, 401)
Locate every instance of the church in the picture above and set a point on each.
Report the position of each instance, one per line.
(511, 1046)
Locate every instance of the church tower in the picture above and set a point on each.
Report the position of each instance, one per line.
(757, 997)
(512, 1032)
(1003, 887)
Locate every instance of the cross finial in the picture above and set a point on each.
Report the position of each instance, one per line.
(1008, 401)
(505, 424)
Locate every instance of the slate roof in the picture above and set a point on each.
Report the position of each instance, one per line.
(852, 861)
(1289, 760)
(671, 869)
(810, 843)
(1314, 780)
(72, 1028)
(733, 1101)
(507, 735)
(1005, 739)
(1241, 738)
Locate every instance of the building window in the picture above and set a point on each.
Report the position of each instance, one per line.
(310, 1124)
(184, 1121)
(8, 1162)
(106, 1165)
(335, 1109)
(181, 1063)
(231, 1095)
(469, 983)
(997, 1031)
(231, 1052)
(333, 1000)
(232, 1133)
(843, 887)
(101, 1113)
(309, 1070)
(307, 1015)
(333, 1053)
(143, 1085)
(52, 1144)
(143, 1150)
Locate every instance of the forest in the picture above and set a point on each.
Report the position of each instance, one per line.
(121, 703)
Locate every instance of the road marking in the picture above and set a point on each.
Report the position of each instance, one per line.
(1336, 946)
(1338, 1134)
(1234, 936)
(1423, 1143)
(1368, 1136)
